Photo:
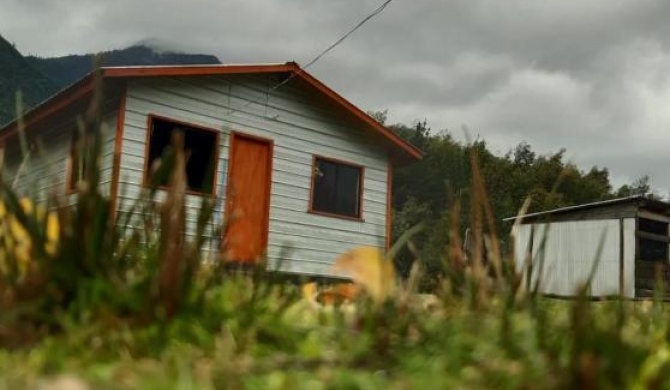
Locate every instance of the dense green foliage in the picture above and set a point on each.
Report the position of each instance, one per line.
(116, 304)
(431, 190)
(87, 262)
(268, 340)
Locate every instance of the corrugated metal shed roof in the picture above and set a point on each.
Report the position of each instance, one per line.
(640, 201)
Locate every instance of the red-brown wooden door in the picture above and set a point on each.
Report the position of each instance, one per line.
(248, 198)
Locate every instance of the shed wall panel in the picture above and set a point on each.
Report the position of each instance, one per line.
(564, 253)
(522, 246)
(629, 257)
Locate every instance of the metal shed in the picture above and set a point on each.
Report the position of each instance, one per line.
(627, 237)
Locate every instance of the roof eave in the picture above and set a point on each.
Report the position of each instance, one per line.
(641, 200)
(193, 70)
(402, 152)
(61, 99)
(410, 152)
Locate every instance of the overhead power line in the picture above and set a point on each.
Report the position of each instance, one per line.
(324, 52)
(345, 36)
(336, 43)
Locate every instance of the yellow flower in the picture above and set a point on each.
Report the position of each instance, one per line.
(15, 240)
(22, 254)
(53, 233)
(40, 212)
(21, 243)
(18, 231)
(26, 205)
(309, 290)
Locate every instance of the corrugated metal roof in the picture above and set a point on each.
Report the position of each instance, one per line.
(642, 200)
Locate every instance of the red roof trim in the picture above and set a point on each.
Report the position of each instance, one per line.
(86, 85)
(395, 139)
(51, 106)
(156, 71)
(194, 70)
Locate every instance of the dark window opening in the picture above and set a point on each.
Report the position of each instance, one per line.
(652, 250)
(652, 226)
(652, 240)
(336, 188)
(199, 146)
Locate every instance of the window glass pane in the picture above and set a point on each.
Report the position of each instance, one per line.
(325, 187)
(347, 190)
(336, 188)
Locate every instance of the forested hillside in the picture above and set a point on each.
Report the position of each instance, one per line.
(68, 69)
(18, 74)
(38, 78)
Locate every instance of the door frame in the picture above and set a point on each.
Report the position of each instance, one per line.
(229, 176)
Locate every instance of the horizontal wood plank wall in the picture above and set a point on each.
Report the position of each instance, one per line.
(300, 127)
(47, 168)
(109, 137)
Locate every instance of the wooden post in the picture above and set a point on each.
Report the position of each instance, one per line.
(528, 258)
(622, 286)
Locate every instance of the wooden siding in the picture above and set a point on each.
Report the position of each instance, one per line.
(46, 169)
(109, 135)
(300, 126)
(570, 250)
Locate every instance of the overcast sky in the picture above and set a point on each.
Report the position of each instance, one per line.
(589, 76)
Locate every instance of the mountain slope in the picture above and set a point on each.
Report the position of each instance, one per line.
(68, 69)
(18, 74)
(38, 78)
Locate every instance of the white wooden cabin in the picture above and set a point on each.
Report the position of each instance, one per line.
(627, 237)
(302, 173)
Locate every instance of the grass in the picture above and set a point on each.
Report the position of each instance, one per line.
(91, 299)
(448, 346)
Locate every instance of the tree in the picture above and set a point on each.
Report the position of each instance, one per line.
(428, 190)
(379, 116)
(640, 186)
(523, 155)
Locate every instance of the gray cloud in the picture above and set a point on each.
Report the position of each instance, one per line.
(591, 76)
